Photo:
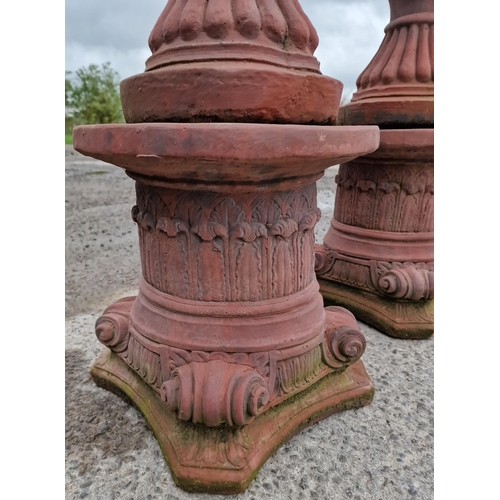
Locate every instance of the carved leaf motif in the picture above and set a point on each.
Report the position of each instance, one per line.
(282, 269)
(261, 362)
(180, 357)
(171, 227)
(267, 212)
(188, 211)
(227, 213)
(248, 272)
(388, 187)
(223, 356)
(135, 212)
(211, 271)
(209, 230)
(284, 228)
(365, 185)
(239, 358)
(146, 220)
(236, 450)
(199, 356)
(383, 266)
(146, 363)
(228, 445)
(295, 372)
(411, 187)
(249, 232)
(308, 221)
(297, 206)
(345, 183)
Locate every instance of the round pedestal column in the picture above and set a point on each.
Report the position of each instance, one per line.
(227, 348)
(228, 323)
(377, 257)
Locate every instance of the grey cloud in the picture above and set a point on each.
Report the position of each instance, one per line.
(123, 24)
(350, 33)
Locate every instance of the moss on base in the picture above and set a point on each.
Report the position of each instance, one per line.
(399, 319)
(223, 459)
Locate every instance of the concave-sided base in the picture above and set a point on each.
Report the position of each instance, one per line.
(403, 320)
(226, 459)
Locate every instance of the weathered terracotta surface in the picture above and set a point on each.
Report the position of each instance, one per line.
(396, 89)
(249, 60)
(381, 237)
(226, 459)
(227, 348)
(218, 153)
(377, 257)
(227, 267)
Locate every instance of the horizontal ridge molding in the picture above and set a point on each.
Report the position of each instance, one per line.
(380, 245)
(228, 327)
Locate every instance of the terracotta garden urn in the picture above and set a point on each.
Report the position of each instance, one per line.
(227, 348)
(377, 257)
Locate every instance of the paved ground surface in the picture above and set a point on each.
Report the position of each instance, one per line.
(380, 452)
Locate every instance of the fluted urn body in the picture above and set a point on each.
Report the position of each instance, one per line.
(396, 89)
(227, 346)
(377, 257)
(251, 60)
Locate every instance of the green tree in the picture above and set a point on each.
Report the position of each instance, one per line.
(92, 95)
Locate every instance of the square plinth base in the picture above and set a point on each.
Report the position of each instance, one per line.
(226, 459)
(402, 320)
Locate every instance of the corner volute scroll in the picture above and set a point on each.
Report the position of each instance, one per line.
(111, 328)
(323, 260)
(344, 343)
(405, 281)
(216, 393)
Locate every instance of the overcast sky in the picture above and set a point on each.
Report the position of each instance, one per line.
(350, 32)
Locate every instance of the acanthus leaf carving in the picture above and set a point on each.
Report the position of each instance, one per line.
(217, 240)
(209, 230)
(145, 362)
(222, 446)
(249, 232)
(258, 360)
(294, 373)
(387, 198)
(399, 280)
(172, 227)
(283, 228)
(309, 220)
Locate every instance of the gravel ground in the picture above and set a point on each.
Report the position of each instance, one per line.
(381, 452)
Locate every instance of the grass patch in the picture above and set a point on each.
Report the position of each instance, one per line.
(69, 139)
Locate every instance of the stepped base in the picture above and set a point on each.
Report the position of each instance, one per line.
(403, 320)
(226, 459)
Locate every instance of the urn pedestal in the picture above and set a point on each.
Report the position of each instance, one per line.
(227, 349)
(377, 257)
